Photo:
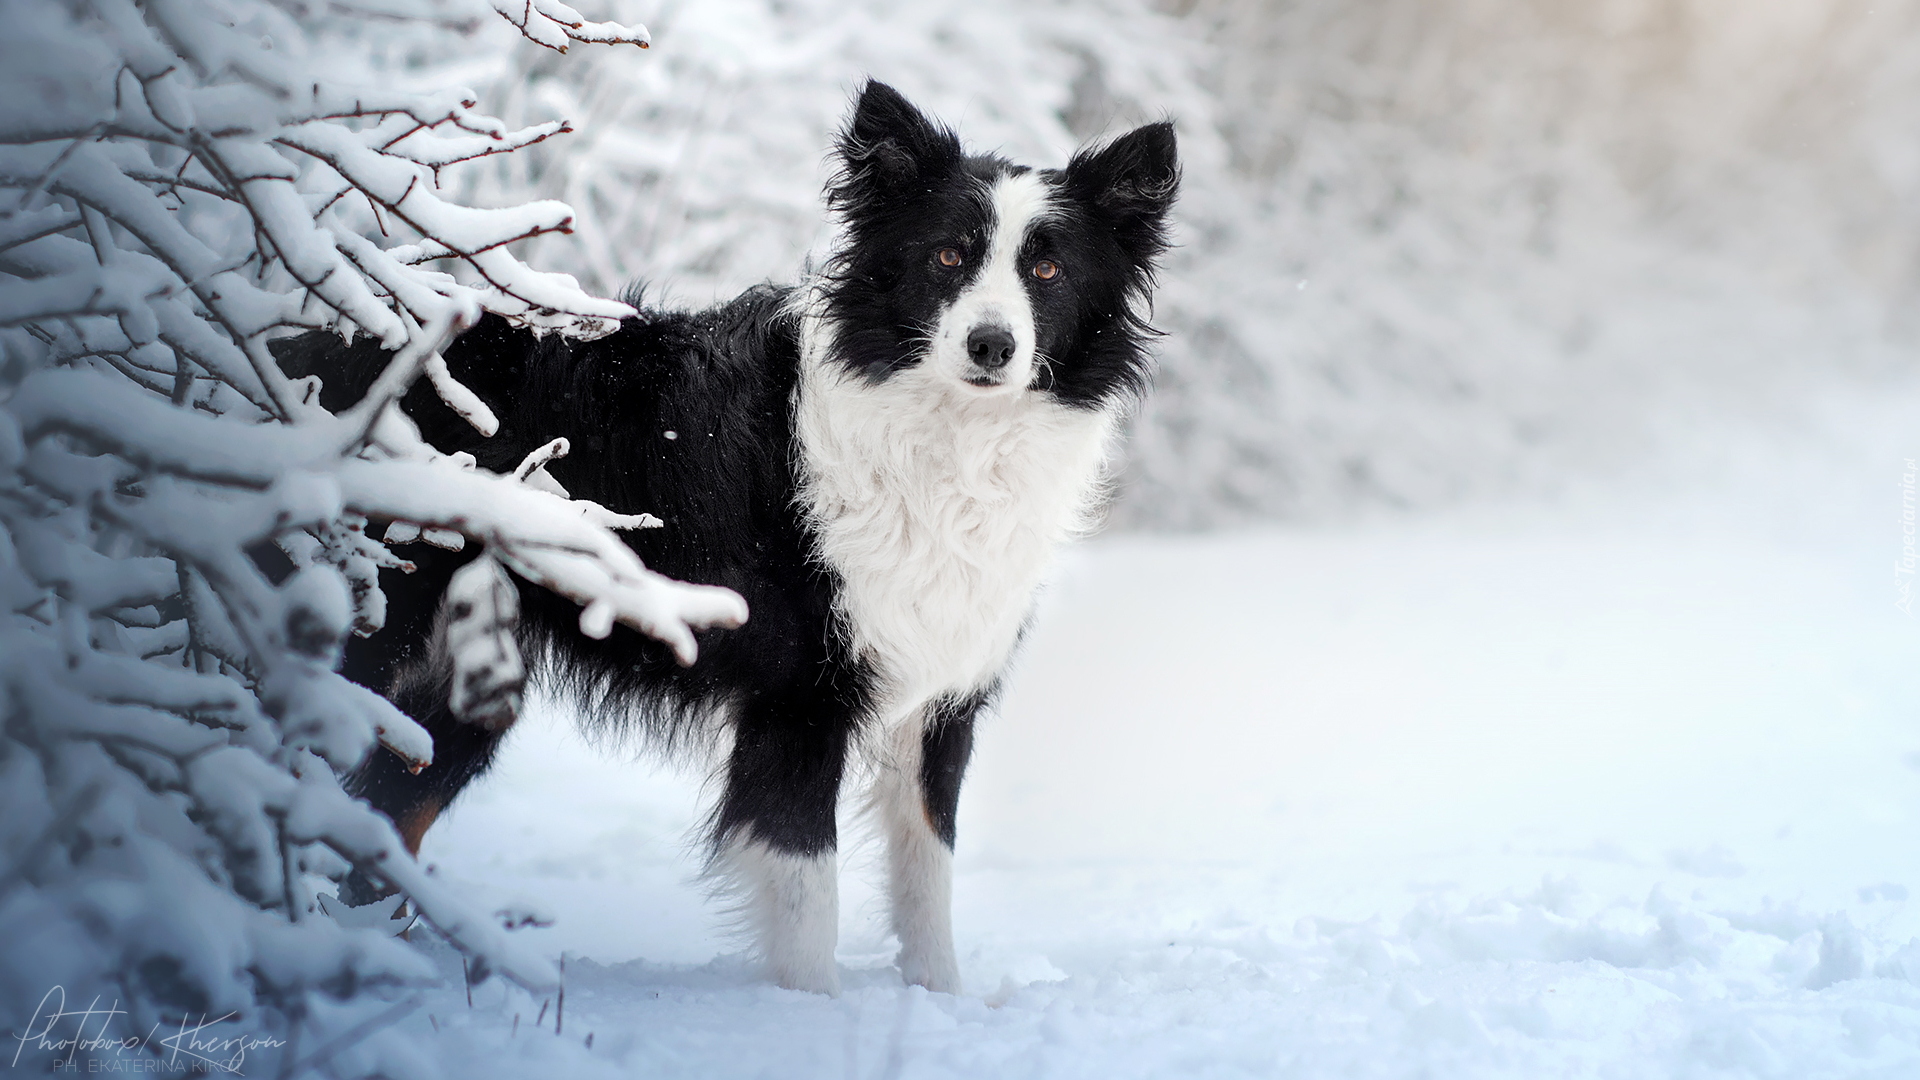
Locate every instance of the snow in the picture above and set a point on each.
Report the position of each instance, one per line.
(482, 610)
(1622, 786)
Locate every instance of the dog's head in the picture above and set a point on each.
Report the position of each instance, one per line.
(992, 277)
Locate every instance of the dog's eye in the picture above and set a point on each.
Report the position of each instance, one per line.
(1045, 270)
(948, 256)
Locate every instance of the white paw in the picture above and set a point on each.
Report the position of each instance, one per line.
(814, 980)
(937, 971)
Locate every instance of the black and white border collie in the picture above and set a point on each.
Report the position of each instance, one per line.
(881, 460)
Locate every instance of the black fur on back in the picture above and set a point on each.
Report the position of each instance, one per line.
(724, 483)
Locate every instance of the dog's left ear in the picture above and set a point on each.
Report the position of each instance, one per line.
(1131, 183)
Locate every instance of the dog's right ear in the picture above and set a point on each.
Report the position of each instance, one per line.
(888, 146)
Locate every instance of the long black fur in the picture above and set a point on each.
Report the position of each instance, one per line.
(683, 415)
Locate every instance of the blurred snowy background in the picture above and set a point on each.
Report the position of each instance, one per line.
(1432, 250)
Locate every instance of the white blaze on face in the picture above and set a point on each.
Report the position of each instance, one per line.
(997, 295)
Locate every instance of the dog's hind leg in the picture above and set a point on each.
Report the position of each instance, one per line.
(413, 802)
(776, 837)
(407, 663)
(915, 796)
(461, 752)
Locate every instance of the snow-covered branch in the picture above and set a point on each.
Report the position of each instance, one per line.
(557, 26)
(183, 546)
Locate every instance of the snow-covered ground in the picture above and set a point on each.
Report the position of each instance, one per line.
(1624, 788)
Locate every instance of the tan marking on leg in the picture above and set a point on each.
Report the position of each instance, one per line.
(413, 824)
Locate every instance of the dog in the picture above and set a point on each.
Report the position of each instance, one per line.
(881, 460)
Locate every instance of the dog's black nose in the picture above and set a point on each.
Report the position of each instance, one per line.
(990, 346)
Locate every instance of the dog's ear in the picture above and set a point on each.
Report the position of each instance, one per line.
(889, 145)
(1131, 183)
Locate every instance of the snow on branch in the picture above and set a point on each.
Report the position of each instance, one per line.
(183, 548)
(550, 540)
(555, 25)
(482, 609)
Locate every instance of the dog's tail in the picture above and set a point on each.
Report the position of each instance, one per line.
(488, 360)
(346, 370)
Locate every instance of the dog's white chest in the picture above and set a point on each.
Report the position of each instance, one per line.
(940, 512)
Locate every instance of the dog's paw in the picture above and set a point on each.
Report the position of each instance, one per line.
(813, 980)
(938, 973)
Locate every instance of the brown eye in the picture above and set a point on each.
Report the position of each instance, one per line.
(1046, 271)
(949, 257)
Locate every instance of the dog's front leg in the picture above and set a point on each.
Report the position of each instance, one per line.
(916, 793)
(777, 838)
(791, 901)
